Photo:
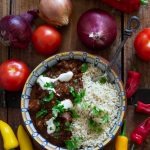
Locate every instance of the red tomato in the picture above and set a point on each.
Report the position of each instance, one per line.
(13, 75)
(142, 44)
(46, 39)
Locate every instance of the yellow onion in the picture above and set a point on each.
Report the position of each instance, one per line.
(55, 12)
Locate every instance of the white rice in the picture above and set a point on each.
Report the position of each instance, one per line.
(104, 97)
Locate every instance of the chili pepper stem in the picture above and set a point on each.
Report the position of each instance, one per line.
(133, 146)
(144, 2)
(124, 129)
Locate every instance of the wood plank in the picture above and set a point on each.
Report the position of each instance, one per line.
(70, 43)
(4, 10)
(130, 59)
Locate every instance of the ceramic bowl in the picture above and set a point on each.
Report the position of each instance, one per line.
(51, 61)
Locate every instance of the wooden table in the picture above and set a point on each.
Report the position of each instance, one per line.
(9, 102)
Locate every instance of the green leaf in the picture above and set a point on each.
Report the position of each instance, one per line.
(103, 80)
(77, 96)
(72, 91)
(106, 118)
(57, 124)
(73, 143)
(48, 98)
(58, 109)
(68, 126)
(84, 67)
(41, 113)
(49, 85)
(75, 81)
(94, 126)
(74, 114)
(96, 111)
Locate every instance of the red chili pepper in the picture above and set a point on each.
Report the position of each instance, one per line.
(143, 108)
(127, 6)
(141, 132)
(133, 83)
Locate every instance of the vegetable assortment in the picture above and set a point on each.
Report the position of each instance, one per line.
(93, 28)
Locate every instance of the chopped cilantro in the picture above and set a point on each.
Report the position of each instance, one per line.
(105, 118)
(84, 67)
(72, 91)
(48, 98)
(103, 80)
(58, 109)
(49, 85)
(77, 96)
(75, 81)
(57, 124)
(41, 113)
(94, 126)
(73, 143)
(74, 114)
(68, 126)
(96, 111)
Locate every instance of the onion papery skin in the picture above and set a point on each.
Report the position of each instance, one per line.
(15, 32)
(97, 29)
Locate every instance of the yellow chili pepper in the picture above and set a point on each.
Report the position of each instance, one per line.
(122, 140)
(23, 138)
(9, 138)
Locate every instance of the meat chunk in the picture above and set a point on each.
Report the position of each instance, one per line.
(66, 117)
(34, 105)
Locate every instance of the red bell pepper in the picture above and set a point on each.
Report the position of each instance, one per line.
(142, 108)
(140, 133)
(127, 6)
(132, 83)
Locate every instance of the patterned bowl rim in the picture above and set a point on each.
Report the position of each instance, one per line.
(49, 146)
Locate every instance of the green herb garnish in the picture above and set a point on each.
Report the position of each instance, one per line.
(58, 109)
(84, 67)
(49, 85)
(68, 126)
(73, 143)
(75, 81)
(106, 118)
(77, 96)
(96, 111)
(94, 126)
(41, 113)
(48, 98)
(57, 124)
(103, 80)
(74, 114)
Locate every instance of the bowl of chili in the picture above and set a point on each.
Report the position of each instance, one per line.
(99, 62)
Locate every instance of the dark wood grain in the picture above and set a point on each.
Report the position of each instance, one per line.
(4, 10)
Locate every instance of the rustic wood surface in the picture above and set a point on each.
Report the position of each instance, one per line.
(9, 102)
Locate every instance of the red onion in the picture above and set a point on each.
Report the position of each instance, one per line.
(15, 31)
(97, 29)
